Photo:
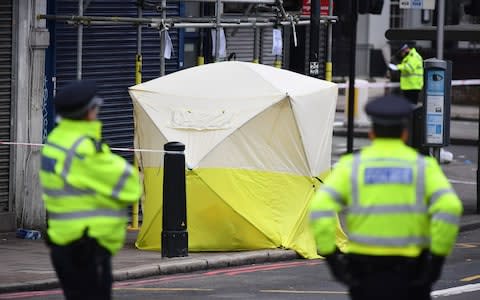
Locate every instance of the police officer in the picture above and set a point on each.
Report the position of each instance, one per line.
(411, 73)
(86, 189)
(401, 212)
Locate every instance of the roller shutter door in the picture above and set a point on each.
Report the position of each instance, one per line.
(109, 58)
(6, 11)
(241, 40)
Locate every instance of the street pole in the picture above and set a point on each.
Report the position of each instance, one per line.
(440, 33)
(314, 69)
(440, 28)
(351, 77)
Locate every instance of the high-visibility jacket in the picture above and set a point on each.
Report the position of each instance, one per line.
(397, 203)
(411, 71)
(85, 185)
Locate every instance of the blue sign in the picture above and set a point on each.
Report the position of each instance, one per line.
(416, 3)
(436, 82)
(388, 175)
(435, 106)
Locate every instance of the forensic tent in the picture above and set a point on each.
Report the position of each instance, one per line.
(257, 142)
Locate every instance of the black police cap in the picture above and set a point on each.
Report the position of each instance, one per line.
(389, 110)
(73, 100)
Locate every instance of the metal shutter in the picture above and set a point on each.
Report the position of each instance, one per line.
(267, 44)
(6, 11)
(241, 42)
(109, 58)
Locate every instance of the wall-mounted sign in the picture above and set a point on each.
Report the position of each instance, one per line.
(307, 7)
(417, 4)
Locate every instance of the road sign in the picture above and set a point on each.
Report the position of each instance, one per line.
(417, 4)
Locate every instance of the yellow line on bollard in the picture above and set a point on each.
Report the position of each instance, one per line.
(277, 63)
(328, 71)
(138, 69)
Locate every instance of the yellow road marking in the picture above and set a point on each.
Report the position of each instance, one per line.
(164, 289)
(470, 278)
(467, 245)
(303, 292)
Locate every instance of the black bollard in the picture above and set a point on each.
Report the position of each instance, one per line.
(174, 223)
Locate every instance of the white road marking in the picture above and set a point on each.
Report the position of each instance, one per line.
(456, 290)
(462, 181)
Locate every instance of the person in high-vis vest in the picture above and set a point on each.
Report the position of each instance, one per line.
(411, 73)
(401, 213)
(86, 190)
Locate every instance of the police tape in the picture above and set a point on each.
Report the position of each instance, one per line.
(112, 148)
(397, 84)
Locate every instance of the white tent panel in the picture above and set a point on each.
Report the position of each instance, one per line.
(315, 115)
(168, 115)
(147, 136)
(271, 141)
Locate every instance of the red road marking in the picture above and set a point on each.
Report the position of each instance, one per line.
(30, 294)
(173, 278)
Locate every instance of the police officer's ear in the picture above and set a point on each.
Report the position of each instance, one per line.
(92, 113)
(405, 135)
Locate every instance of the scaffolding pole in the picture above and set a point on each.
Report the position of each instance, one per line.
(79, 41)
(328, 63)
(138, 58)
(163, 38)
(218, 20)
(172, 22)
(256, 44)
(138, 80)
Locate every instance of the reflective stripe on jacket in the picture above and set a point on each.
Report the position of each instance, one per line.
(411, 71)
(397, 202)
(86, 185)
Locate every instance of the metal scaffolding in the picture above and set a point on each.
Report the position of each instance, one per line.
(278, 17)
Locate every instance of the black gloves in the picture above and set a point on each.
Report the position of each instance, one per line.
(429, 268)
(339, 267)
(435, 267)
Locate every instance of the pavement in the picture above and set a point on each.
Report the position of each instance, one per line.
(25, 264)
